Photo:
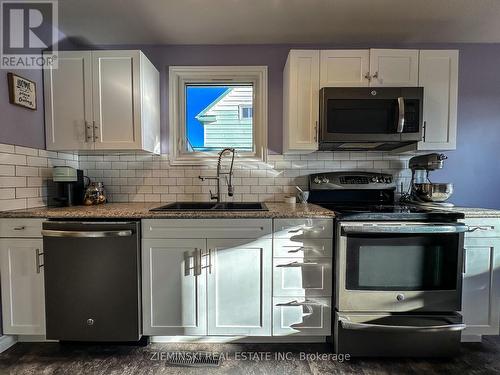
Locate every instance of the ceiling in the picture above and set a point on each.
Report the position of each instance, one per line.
(279, 21)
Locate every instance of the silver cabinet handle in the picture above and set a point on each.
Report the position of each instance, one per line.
(316, 132)
(39, 265)
(197, 262)
(375, 75)
(20, 228)
(346, 324)
(88, 127)
(86, 234)
(464, 261)
(96, 128)
(307, 229)
(482, 228)
(301, 248)
(187, 261)
(424, 129)
(304, 303)
(401, 116)
(297, 264)
(367, 76)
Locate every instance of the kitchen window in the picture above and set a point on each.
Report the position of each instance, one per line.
(212, 108)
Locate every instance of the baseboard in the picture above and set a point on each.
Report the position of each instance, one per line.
(33, 338)
(237, 339)
(471, 338)
(6, 342)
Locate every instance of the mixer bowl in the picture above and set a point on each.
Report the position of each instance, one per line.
(431, 192)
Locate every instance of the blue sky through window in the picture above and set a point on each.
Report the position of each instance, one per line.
(197, 99)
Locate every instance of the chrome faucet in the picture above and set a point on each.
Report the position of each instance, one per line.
(228, 176)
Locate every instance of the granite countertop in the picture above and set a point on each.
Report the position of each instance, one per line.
(141, 211)
(474, 212)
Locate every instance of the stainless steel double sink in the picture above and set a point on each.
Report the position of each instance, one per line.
(213, 206)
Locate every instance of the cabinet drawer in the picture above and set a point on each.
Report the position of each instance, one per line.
(483, 227)
(207, 228)
(303, 228)
(301, 316)
(21, 228)
(302, 277)
(302, 248)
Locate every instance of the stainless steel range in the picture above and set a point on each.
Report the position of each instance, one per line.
(398, 269)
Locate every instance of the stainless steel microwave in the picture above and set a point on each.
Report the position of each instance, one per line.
(370, 118)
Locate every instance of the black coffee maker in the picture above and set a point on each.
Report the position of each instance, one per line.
(69, 186)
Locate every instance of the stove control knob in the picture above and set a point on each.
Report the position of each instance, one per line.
(374, 179)
(400, 297)
(325, 180)
(388, 180)
(317, 180)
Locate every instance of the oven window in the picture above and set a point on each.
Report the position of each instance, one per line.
(362, 116)
(402, 262)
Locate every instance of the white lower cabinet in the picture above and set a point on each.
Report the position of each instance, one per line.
(239, 287)
(207, 285)
(302, 316)
(302, 277)
(481, 287)
(22, 286)
(174, 295)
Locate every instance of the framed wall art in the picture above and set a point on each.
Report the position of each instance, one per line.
(22, 91)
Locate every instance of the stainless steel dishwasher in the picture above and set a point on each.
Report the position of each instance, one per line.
(92, 280)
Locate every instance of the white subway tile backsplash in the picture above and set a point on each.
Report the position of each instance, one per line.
(12, 159)
(24, 173)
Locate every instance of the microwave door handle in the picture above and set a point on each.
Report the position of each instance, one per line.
(401, 115)
(346, 324)
(411, 229)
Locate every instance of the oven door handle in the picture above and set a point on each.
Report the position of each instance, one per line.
(405, 228)
(346, 324)
(401, 115)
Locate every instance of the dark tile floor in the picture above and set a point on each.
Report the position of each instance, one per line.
(53, 358)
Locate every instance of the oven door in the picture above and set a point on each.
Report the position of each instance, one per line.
(399, 266)
(391, 114)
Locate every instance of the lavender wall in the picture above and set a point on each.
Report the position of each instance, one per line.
(473, 167)
(21, 126)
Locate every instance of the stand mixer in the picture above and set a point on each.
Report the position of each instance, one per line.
(422, 191)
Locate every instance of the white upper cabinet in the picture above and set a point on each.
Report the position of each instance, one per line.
(394, 67)
(116, 93)
(306, 71)
(345, 68)
(103, 100)
(68, 102)
(438, 75)
(301, 101)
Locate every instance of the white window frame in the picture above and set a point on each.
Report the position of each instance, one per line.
(180, 76)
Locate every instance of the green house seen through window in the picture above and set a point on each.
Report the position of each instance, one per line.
(219, 116)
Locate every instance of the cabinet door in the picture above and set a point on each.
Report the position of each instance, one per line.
(116, 99)
(301, 101)
(23, 299)
(345, 68)
(438, 75)
(301, 316)
(481, 286)
(68, 102)
(394, 67)
(302, 277)
(239, 287)
(174, 299)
